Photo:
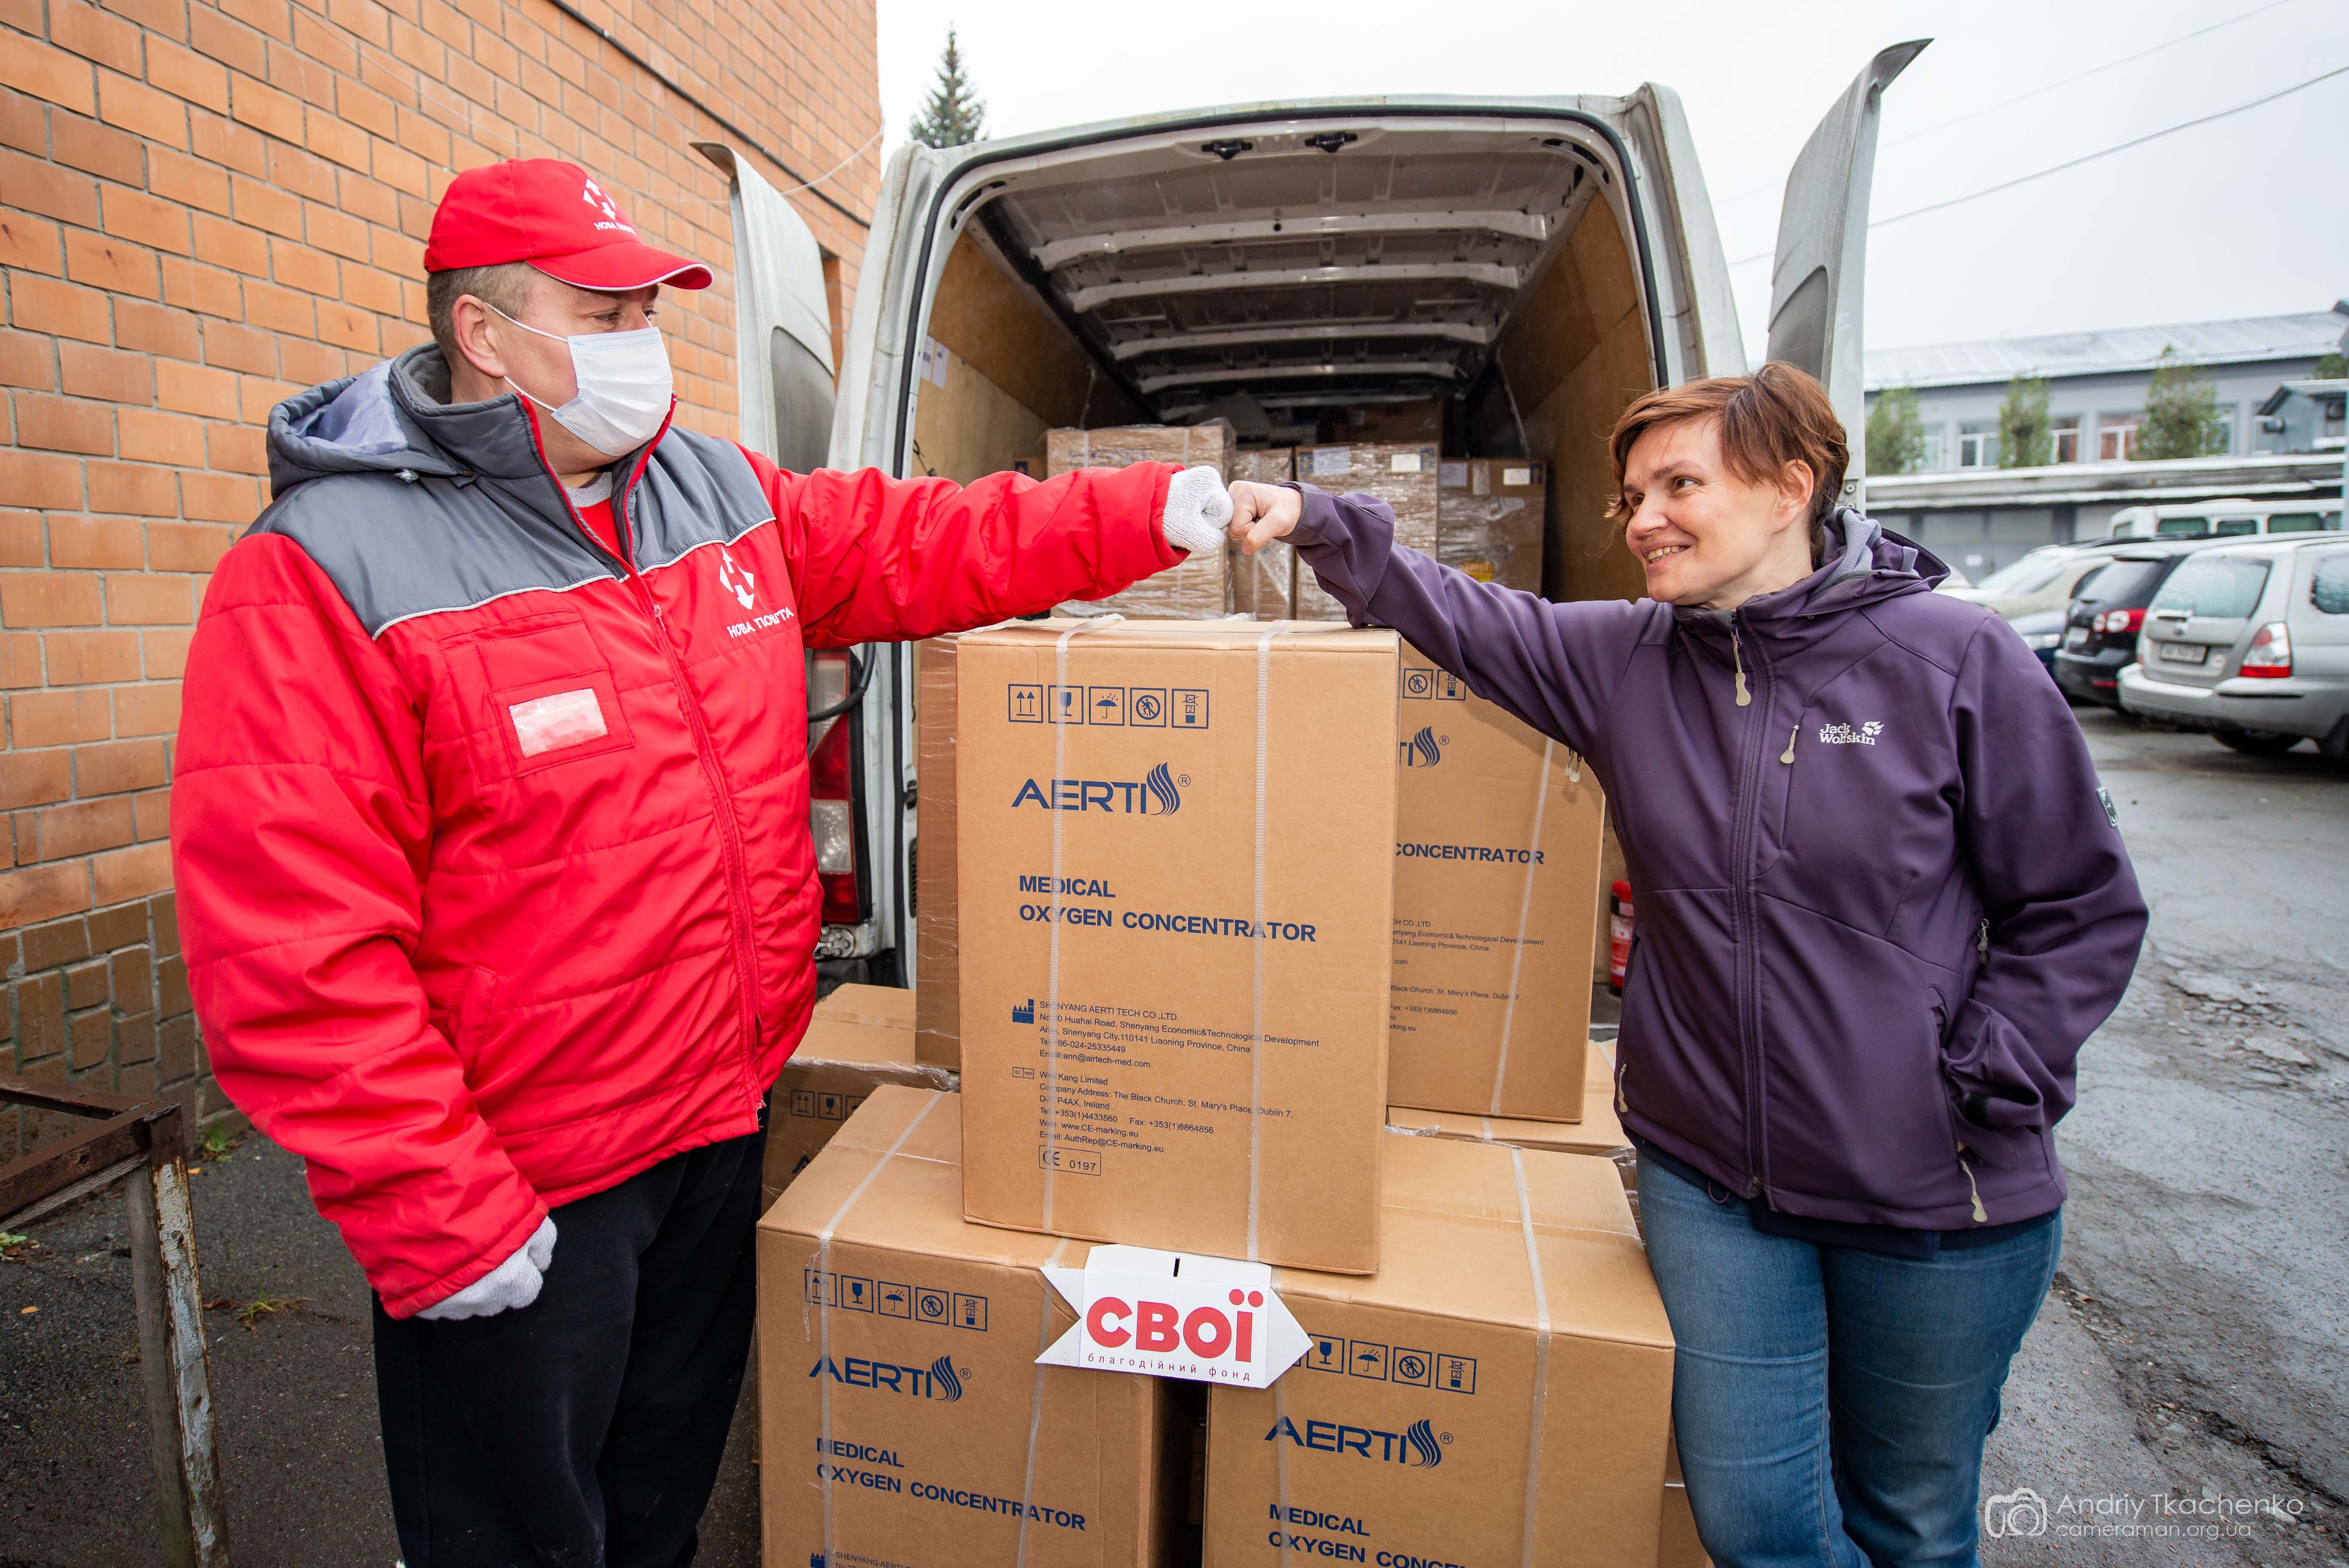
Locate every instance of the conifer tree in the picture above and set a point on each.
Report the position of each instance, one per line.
(954, 115)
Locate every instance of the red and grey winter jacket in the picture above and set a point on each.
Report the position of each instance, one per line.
(492, 849)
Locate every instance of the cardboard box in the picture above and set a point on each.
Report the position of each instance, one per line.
(938, 1028)
(1263, 584)
(861, 1038)
(904, 1420)
(1419, 420)
(1496, 851)
(1401, 474)
(1677, 1545)
(1489, 518)
(1599, 1132)
(1220, 1036)
(1200, 588)
(1440, 1402)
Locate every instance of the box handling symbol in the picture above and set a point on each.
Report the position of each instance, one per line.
(1412, 1367)
(971, 1312)
(930, 1306)
(1024, 1012)
(1368, 1360)
(1190, 708)
(1457, 1374)
(1027, 704)
(1148, 707)
(896, 1300)
(1328, 1355)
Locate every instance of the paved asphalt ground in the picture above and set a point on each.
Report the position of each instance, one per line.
(2191, 1351)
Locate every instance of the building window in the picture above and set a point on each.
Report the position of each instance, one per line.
(2066, 427)
(2117, 436)
(1937, 444)
(2227, 421)
(1978, 444)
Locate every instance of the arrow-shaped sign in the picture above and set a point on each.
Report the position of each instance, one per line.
(1175, 1314)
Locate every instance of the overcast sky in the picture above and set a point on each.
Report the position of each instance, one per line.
(2246, 216)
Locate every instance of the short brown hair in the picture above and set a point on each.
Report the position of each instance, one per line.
(505, 285)
(1777, 416)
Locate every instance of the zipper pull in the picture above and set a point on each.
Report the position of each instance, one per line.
(1981, 940)
(1737, 657)
(1981, 1215)
(1787, 756)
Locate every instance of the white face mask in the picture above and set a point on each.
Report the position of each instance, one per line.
(625, 387)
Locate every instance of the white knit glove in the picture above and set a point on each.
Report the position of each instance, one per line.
(1197, 508)
(513, 1282)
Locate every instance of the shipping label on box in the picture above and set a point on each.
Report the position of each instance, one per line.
(1497, 868)
(1176, 904)
(1499, 1393)
(903, 1419)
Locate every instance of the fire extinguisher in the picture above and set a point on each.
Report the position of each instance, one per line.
(1619, 935)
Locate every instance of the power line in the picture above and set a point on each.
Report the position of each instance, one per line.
(2075, 163)
(1768, 186)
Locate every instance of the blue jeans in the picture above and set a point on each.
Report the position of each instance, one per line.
(1831, 1404)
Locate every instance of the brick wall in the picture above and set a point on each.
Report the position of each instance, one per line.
(203, 208)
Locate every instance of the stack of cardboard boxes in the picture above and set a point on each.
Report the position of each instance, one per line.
(1253, 941)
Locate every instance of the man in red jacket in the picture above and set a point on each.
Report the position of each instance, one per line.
(492, 852)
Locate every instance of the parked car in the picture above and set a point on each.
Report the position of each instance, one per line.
(1521, 260)
(2042, 580)
(2107, 611)
(2251, 643)
(2042, 631)
(2227, 519)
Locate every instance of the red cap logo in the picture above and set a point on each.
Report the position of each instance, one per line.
(554, 215)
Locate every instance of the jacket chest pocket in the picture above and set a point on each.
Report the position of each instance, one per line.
(540, 694)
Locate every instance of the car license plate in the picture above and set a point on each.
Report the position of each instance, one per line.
(2078, 637)
(2184, 653)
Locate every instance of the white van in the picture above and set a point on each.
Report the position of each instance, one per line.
(2226, 519)
(1535, 263)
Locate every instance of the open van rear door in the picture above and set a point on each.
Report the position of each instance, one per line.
(1816, 294)
(781, 320)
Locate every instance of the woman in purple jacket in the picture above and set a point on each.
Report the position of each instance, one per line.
(1882, 901)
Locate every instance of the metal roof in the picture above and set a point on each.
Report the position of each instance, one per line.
(2248, 340)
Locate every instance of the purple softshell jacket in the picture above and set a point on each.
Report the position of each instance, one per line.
(1881, 898)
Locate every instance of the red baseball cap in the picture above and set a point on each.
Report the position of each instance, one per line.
(554, 216)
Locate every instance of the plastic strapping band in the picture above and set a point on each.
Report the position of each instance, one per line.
(1280, 1468)
(1541, 1358)
(1036, 1405)
(1524, 912)
(1255, 942)
(1052, 964)
(823, 1308)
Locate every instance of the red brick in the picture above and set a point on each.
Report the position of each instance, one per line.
(366, 108)
(192, 285)
(424, 138)
(223, 243)
(108, 372)
(266, 304)
(126, 874)
(93, 35)
(364, 197)
(402, 256)
(191, 182)
(350, 327)
(138, 107)
(31, 244)
(20, 660)
(57, 719)
(166, 654)
(271, 17)
(97, 148)
(39, 478)
(227, 40)
(36, 185)
(148, 220)
(155, 329)
(148, 599)
(34, 777)
(151, 815)
(64, 425)
(257, 395)
(220, 497)
(169, 17)
(85, 826)
(370, 289)
(146, 710)
(23, 540)
(32, 66)
(44, 892)
(310, 79)
(184, 74)
(118, 766)
(23, 123)
(401, 169)
(133, 488)
(299, 266)
(115, 266)
(332, 138)
(266, 108)
(149, 436)
(240, 347)
(91, 659)
(192, 388)
(185, 547)
(265, 207)
(48, 599)
(329, 46)
(345, 235)
(301, 173)
(227, 143)
(237, 449)
(78, 542)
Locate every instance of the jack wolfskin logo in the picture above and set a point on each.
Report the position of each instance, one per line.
(1845, 735)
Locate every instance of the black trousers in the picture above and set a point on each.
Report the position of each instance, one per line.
(585, 1430)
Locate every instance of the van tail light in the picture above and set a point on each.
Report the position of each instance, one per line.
(2270, 655)
(832, 791)
(2119, 623)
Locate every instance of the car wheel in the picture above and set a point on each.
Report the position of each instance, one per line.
(2257, 743)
